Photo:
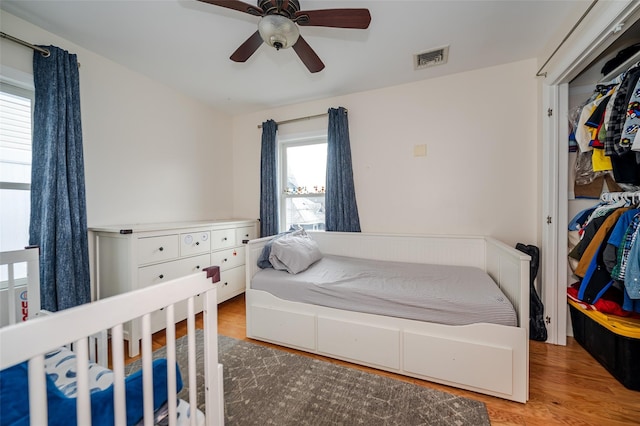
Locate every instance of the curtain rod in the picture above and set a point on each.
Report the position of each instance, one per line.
(293, 120)
(586, 12)
(44, 52)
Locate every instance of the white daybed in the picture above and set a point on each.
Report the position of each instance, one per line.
(40, 339)
(487, 358)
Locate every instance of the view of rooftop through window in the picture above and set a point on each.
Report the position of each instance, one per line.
(304, 184)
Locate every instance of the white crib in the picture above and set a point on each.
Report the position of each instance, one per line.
(32, 339)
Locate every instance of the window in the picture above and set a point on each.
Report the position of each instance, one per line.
(303, 169)
(15, 168)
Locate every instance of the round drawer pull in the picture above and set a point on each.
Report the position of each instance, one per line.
(197, 266)
(161, 248)
(224, 260)
(226, 283)
(224, 239)
(161, 276)
(197, 243)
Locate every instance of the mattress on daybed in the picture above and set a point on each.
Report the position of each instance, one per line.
(451, 295)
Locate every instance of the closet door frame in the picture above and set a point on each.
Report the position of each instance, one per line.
(601, 27)
(555, 206)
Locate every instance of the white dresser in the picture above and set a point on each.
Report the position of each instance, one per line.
(129, 257)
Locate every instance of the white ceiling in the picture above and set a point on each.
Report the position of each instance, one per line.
(187, 44)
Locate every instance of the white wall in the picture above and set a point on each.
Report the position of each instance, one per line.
(151, 153)
(481, 171)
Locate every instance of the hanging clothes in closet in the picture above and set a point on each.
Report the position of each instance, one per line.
(605, 256)
(605, 135)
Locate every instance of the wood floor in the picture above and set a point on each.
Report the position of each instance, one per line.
(567, 386)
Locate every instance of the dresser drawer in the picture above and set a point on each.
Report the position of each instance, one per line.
(159, 317)
(156, 274)
(223, 238)
(194, 243)
(231, 283)
(157, 249)
(227, 259)
(245, 233)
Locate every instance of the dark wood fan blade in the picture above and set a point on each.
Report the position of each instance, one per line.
(336, 18)
(307, 55)
(236, 5)
(247, 48)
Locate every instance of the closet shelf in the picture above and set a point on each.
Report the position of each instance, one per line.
(621, 68)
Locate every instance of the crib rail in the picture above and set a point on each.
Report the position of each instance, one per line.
(32, 339)
(10, 261)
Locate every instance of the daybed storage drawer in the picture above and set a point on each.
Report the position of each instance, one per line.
(373, 345)
(455, 361)
(290, 328)
(157, 249)
(227, 259)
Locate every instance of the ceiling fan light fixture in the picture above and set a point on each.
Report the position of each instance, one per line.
(278, 31)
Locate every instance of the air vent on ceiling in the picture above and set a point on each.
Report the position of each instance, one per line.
(431, 58)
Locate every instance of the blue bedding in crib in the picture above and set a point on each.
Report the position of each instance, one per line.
(61, 391)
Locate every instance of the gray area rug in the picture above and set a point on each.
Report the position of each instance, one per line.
(266, 386)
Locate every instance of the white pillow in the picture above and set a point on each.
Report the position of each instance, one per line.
(294, 253)
(263, 259)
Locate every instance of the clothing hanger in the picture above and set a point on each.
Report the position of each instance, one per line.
(611, 197)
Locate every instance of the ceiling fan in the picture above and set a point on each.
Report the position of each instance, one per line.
(278, 26)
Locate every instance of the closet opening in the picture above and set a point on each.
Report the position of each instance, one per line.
(571, 81)
(603, 171)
